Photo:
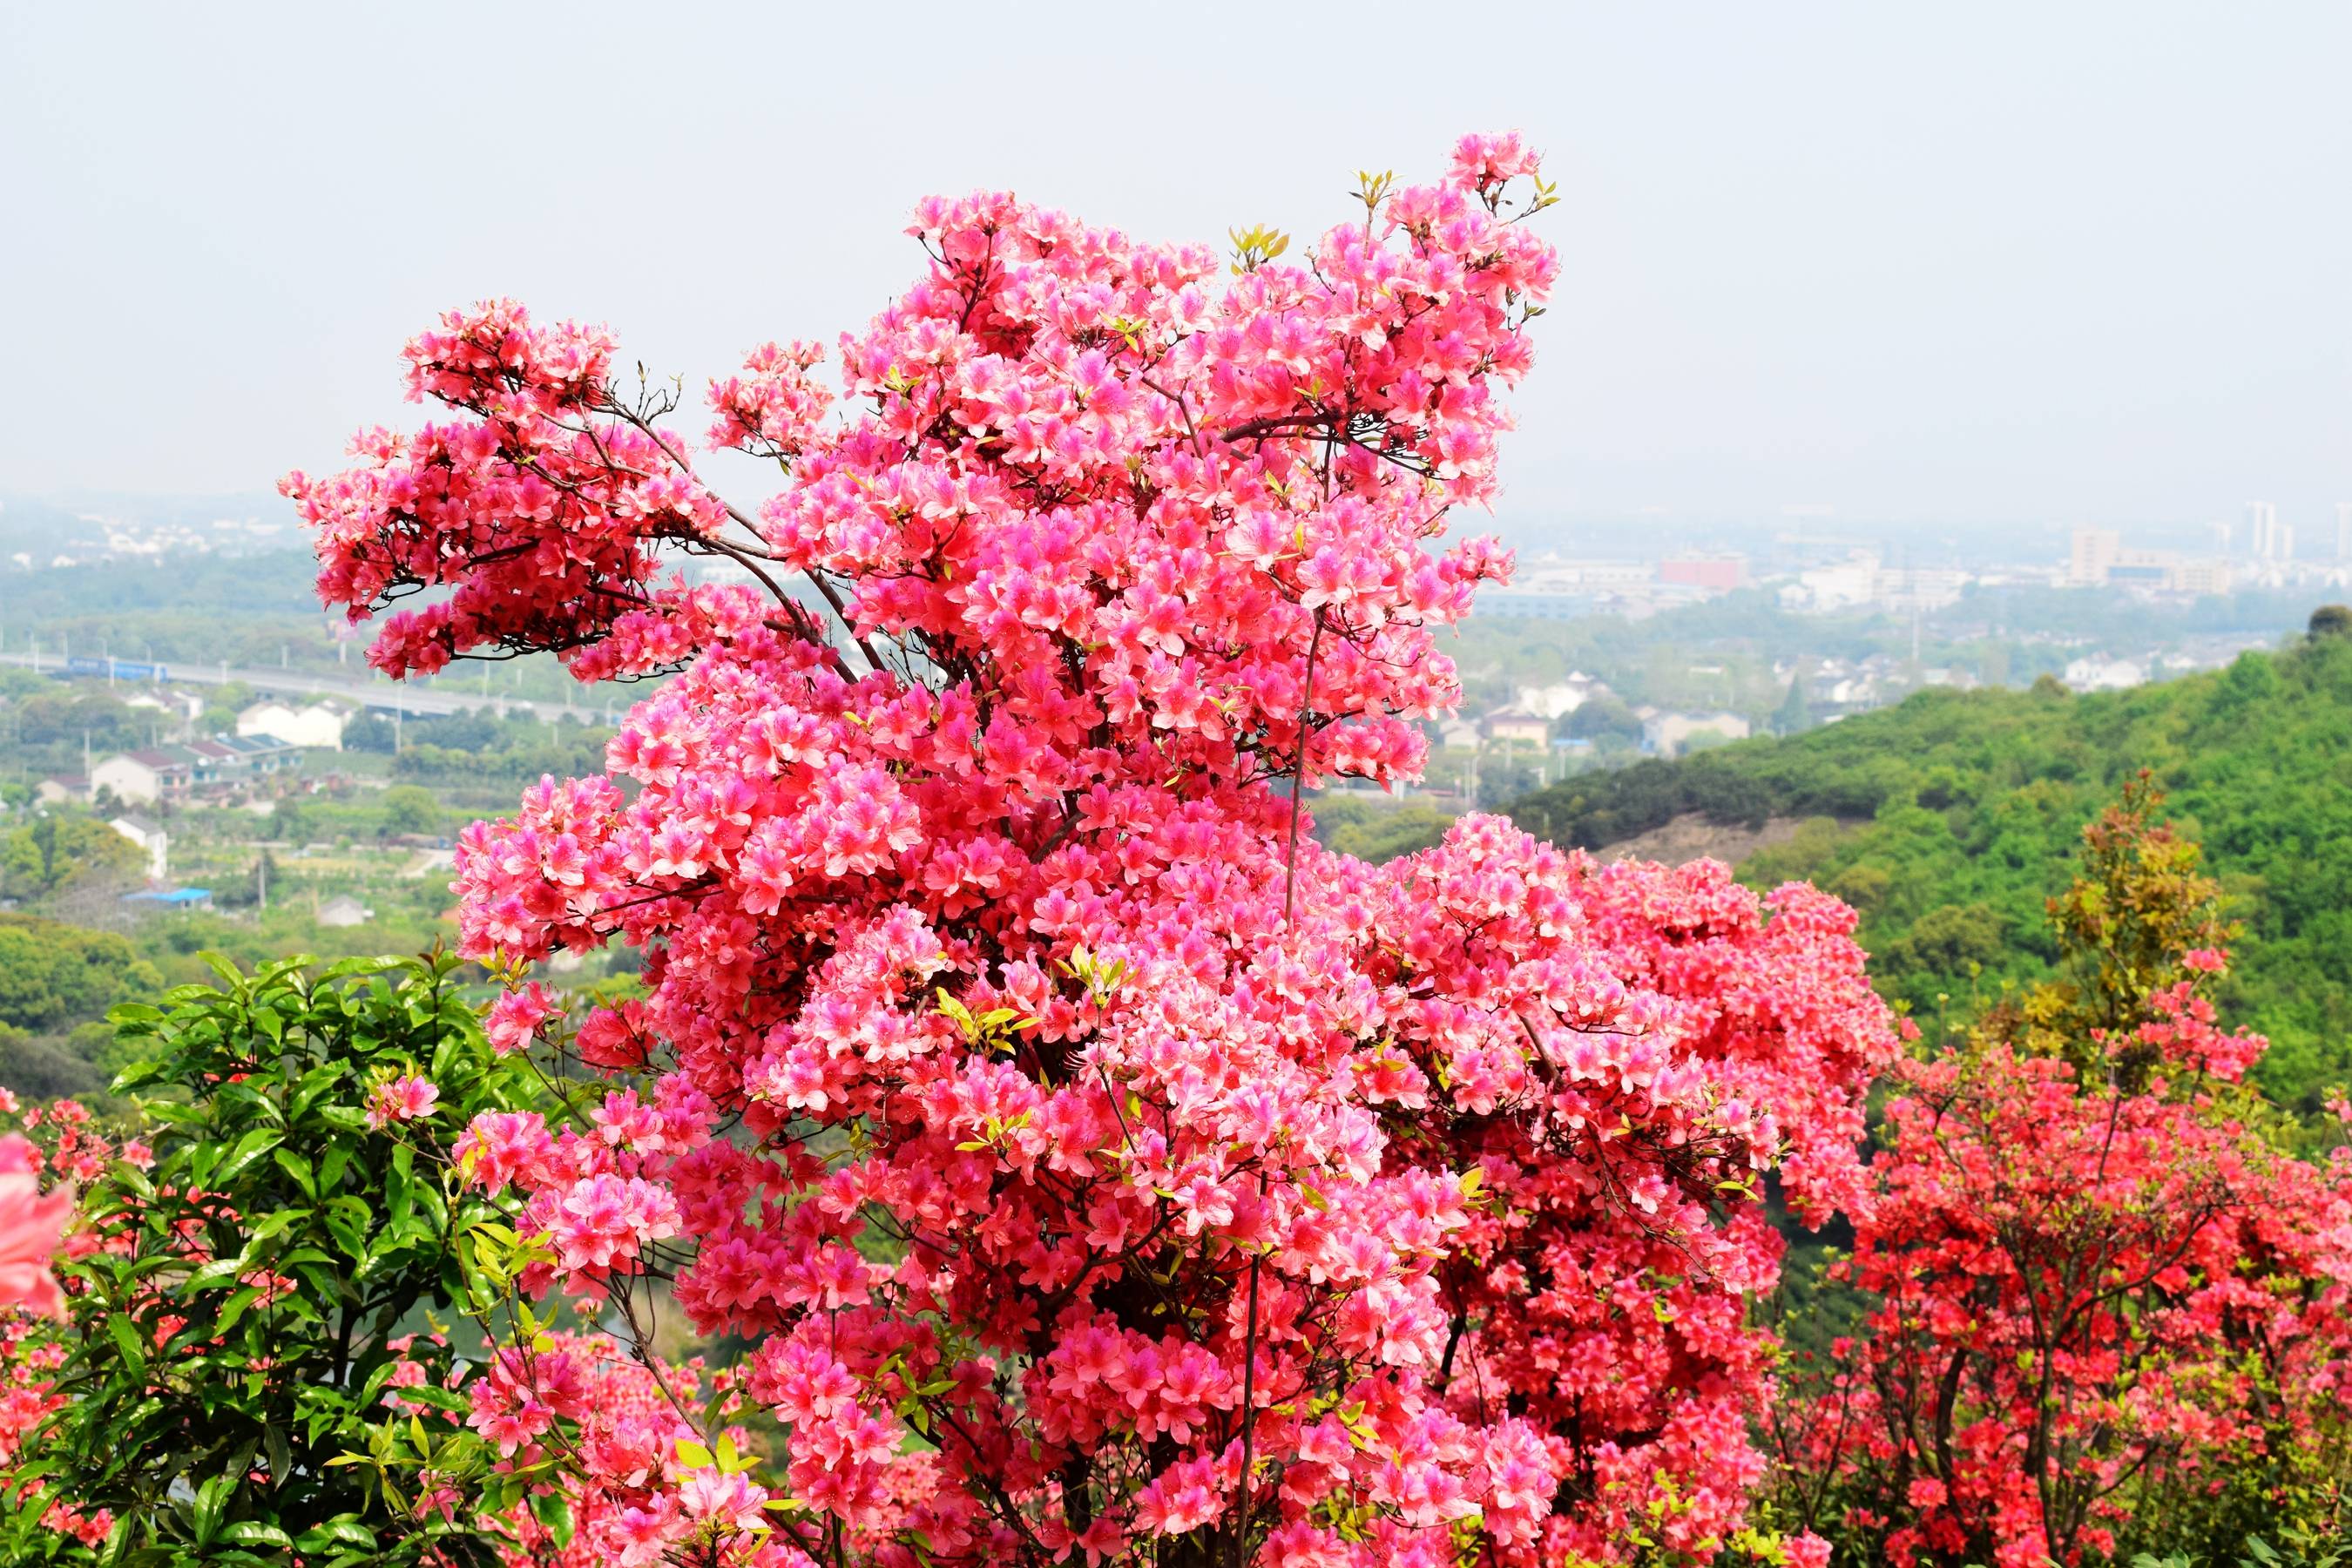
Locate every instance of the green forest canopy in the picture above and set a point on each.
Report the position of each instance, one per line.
(1949, 819)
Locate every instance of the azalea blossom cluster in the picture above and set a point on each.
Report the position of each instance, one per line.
(437, 512)
(58, 1144)
(644, 1485)
(1611, 1281)
(1096, 1164)
(2083, 1287)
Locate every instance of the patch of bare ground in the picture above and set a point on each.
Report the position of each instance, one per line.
(1691, 836)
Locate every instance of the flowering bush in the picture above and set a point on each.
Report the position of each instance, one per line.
(31, 1219)
(2106, 1310)
(1095, 1165)
(59, 1149)
(241, 1296)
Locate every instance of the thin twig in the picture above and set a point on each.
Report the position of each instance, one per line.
(1299, 772)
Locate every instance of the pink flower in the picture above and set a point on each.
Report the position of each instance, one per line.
(407, 1099)
(515, 1018)
(731, 1502)
(30, 1222)
(607, 1219)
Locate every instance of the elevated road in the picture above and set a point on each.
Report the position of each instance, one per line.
(386, 697)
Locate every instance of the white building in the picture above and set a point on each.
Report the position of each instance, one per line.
(142, 778)
(2094, 555)
(2262, 529)
(1563, 698)
(318, 726)
(1920, 588)
(342, 910)
(1822, 589)
(1667, 734)
(1516, 726)
(2099, 559)
(182, 705)
(150, 837)
(2100, 673)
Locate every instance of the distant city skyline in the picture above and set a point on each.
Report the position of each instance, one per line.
(1892, 269)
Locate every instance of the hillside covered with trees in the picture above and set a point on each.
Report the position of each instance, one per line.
(1947, 821)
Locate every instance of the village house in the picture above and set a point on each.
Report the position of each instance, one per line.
(1457, 734)
(171, 900)
(145, 778)
(1516, 726)
(316, 725)
(342, 910)
(1561, 698)
(163, 775)
(2100, 673)
(1667, 734)
(182, 707)
(152, 839)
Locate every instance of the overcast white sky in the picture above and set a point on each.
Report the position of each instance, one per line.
(1935, 264)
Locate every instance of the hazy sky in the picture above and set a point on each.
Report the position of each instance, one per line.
(1981, 262)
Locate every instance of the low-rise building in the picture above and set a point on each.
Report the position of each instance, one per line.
(1561, 698)
(161, 775)
(2199, 577)
(186, 707)
(342, 910)
(318, 726)
(58, 789)
(166, 899)
(1716, 573)
(152, 839)
(145, 778)
(2099, 559)
(1515, 725)
(2100, 673)
(1669, 734)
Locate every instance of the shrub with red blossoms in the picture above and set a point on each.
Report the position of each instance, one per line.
(1099, 1168)
(2108, 1312)
(59, 1149)
(1605, 1293)
(633, 1480)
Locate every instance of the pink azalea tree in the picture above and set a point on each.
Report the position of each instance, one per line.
(1099, 1168)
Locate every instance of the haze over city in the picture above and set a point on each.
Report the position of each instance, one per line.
(2009, 265)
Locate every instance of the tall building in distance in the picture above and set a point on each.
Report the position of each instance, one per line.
(2094, 555)
(2262, 530)
(2344, 530)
